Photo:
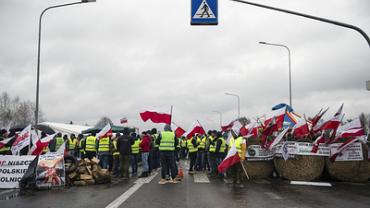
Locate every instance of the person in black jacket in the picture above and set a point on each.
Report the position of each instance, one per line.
(124, 143)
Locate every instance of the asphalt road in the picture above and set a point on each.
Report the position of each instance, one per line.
(194, 191)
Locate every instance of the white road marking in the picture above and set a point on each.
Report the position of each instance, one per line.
(201, 178)
(273, 195)
(308, 183)
(137, 184)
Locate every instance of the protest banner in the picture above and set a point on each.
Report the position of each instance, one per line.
(12, 169)
(257, 153)
(50, 171)
(352, 153)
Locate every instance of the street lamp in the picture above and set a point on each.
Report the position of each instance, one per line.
(38, 52)
(237, 96)
(290, 68)
(220, 117)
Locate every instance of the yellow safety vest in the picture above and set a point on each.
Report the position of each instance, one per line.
(59, 143)
(103, 144)
(191, 146)
(135, 147)
(223, 145)
(183, 143)
(72, 143)
(212, 147)
(167, 141)
(155, 136)
(202, 143)
(90, 145)
(238, 144)
(82, 150)
(115, 150)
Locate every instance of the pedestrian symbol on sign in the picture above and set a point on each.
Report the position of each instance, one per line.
(204, 11)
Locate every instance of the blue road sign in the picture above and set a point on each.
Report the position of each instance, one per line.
(204, 12)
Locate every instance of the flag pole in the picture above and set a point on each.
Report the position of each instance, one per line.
(171, 115)
(245, 170)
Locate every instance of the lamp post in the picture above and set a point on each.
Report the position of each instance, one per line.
(220, 117)
(38, 51)
(290, 68)
(237, 96)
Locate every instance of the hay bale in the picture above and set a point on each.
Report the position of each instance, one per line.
(300, 168)
(259, 169)
(350, 171)
(90, 182)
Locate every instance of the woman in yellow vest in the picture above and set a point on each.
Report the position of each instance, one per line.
(192, 145)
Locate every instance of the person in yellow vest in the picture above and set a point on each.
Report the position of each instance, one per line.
(104, 150)
(201, 140)
(80, 146)
(72, 145)
(115, 151)
(55, 143)
(135, 153)
(237, 170)
(167, 143)
(220, 151)
(213, 154)
(154, 155)
(90, 146)
(183, 151)
(192, 145)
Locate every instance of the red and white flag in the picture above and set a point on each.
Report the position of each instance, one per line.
(317, 142)
(105, 132)
(315, 120)
(342, 147)
(178, 131)
(352, 133)
(195, 128)
(156, 117)
(231, 159)
(5, 142)
(40, 144)
(278, 115)
(300, 129)
(123, 120)
(332, 124)
(277, 139)
(22, 140)
(252, 130)
(355, 124)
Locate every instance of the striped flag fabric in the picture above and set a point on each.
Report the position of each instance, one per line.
(231, 159)
(123, 120)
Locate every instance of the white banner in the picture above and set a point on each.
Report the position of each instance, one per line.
(303, 148)
(12, 169)
(352, 153)
(257, 153)
(22, 140)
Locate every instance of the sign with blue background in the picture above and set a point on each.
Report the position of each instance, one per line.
(204, 12)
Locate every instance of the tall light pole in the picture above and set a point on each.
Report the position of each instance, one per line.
(290, 68)
(237, 96)
(38, 52)
(220, 117)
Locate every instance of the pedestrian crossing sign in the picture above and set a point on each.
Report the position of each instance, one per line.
(204, 12)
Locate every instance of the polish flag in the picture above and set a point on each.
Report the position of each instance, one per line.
(106, 131)
(317, 142)
(178, 131)
(278, 115)
(196, 128)
(156, 117)
(355, 124)
(231, 159)
(342, 147)
(123, 120)
(40, 144)
(352, 133)
(333, 123)
(22, 140)
(237, 126)
(315, 120)
(300, 129)
(277, 139)
(227, 127)
(5, 142)
(252, 130)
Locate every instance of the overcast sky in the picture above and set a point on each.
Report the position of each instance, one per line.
(116, 58)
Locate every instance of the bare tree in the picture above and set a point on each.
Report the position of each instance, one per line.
(14, 112)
